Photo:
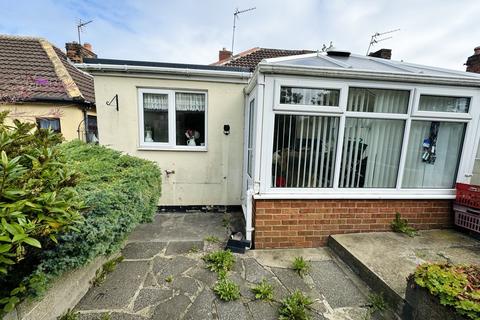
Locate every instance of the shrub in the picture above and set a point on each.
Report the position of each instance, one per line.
(37, 202)
(457, 286)
(300, 265)
(263, 291)
(294, 307)
(220, 261)
(227, 290)
(401, 226)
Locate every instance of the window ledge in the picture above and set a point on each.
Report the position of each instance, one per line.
(437, 194)
(176, 148)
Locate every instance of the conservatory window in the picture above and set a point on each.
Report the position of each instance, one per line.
(304, 151)
(371, 153)
(173, 118)
(378, 100)
(444, 104)
(309, 96)
(251, 114)
(433, 154)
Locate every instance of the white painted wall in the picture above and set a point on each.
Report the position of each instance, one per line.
(212, 177)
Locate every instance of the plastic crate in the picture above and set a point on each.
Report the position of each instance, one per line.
(467, 218)
(468, 195)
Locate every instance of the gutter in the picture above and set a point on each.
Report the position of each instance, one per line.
(96, 67)
(366, 75)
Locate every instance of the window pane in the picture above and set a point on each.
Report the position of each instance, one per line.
(433, 154)
(371, 153)
(378, 100)
(49, 123)
(444, 104)
(190, 119)
(309, 96)
(155, 117)
(304, 149)
(250, 138)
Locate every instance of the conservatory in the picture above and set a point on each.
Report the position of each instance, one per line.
(337, 142)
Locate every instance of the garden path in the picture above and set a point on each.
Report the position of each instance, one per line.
(171, 248)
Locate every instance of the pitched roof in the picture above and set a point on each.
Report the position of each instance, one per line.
(32, 69)
(252, 57)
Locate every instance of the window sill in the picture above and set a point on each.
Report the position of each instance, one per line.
(176, 148)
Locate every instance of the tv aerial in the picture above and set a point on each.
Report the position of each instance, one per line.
(80, 25)
(375, 38)
(235, 17)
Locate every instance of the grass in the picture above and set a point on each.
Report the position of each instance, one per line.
(227, 290)
(212, 239)
(301, 266)
(169, 279)
(295, 307)
(107, 268)
(219, 261)
(263, 291)
(194, 249)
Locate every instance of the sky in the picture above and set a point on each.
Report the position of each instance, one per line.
(439, 33)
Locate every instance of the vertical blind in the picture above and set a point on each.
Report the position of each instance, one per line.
(378, 100)
(444, 104)
(304, 151)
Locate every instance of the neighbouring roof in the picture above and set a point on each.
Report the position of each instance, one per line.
(366, 66)
(32, 69)
(96, 61)
(252, 57)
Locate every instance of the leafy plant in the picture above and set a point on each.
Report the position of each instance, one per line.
(263, 291)
(227, 290)
(37, 203)
(212, 239)
(169, 278)
(401, 226)
(300, 265)
(107, 268)
(222, 260)
(457, 286)
(377, 302)
(70, 315)
(295, 307)
(105, 316)
(194, 249)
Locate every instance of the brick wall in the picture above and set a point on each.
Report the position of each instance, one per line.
(308, 223)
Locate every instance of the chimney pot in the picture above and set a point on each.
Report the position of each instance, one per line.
(382, 53)
(477, 50)
(88, 46)
(224, 54)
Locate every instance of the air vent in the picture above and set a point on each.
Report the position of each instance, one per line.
(338, 53)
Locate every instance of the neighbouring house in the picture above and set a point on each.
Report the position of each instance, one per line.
(39, 84)
(310, 145)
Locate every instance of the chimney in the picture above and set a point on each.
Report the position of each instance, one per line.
(224, 54)
(382, 53)
(76, 52)
(473, 62)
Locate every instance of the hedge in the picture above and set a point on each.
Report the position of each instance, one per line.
(120, 191)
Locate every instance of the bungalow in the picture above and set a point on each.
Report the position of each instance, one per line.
(39, 84)
(310, 145)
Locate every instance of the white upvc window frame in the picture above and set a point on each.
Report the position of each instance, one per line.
(471, 138)
(448, 92)
(310, 84)
(171, 144)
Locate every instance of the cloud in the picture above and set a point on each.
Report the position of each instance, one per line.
(434, 32)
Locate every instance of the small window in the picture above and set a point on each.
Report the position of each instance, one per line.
(49, 123)
(155, 117)
(371, 153)
(433, 154)
(309, 96)
(304, 150)
(444, 104)
(173, 118)
(378, 100)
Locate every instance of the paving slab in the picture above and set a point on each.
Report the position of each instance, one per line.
(207, 277)
(184, 285)
(164, 267)
(118, 289)
(143, 250)
(203, 307)
(171, 309)
(232, 310)
(263, 310)
(254, 272)
(291, 280)
(181, 247)
(150, 297)
(283, 258)
(389, 257)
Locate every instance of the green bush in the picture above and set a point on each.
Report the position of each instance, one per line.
(457, 286)
(37, 202)
(42, 192)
